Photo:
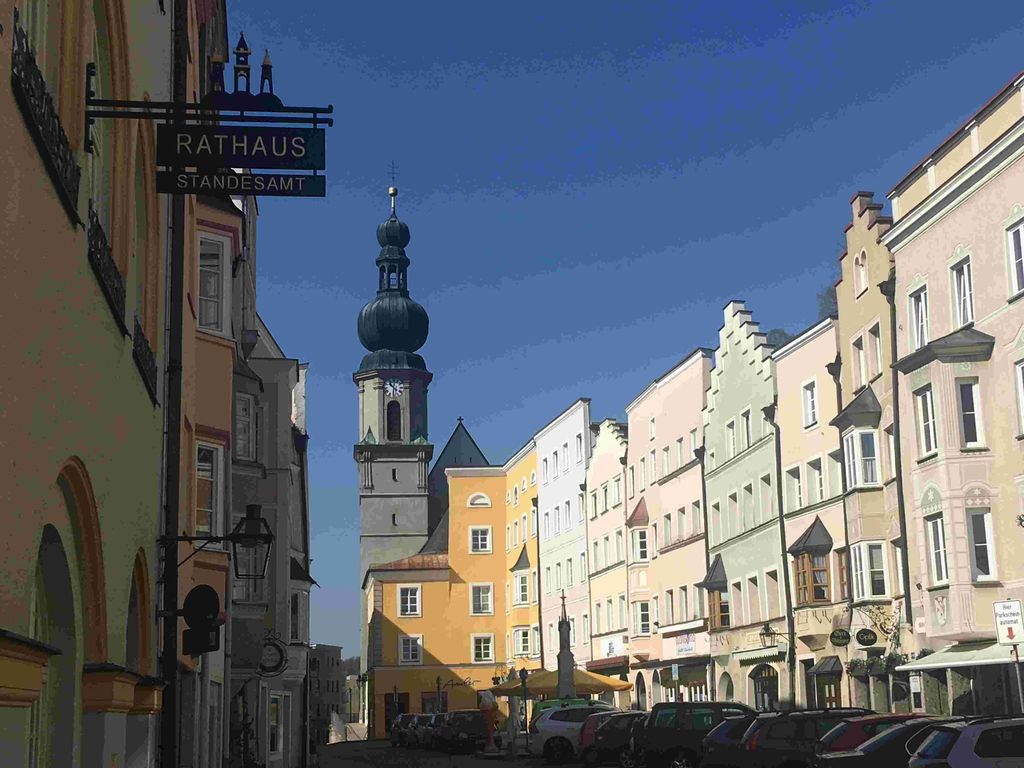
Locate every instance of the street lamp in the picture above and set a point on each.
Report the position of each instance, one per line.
(768, 635)
(251, 542)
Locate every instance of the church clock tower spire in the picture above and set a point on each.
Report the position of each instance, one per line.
(392, 451)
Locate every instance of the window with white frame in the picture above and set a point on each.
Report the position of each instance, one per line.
(869, 572)
(482, 600)
(214, 303)
(209, 490)
(924, 405)
(619, 554)
(666, 530)
(730, 438)
(556, 519)
(890, 447)
(596, 565)
(580, 504)
(971, 434)
(593, 505)
(515, 533)
(693, 443)
(554, 464)
(979, 531)
(535, 640)
(684, 603)
(810, 401)
(533, 478)
(522, 588)
(640, 551)
(652, 470)
(535, 581)
(548, 584)
(1019, 370)
(245, 427)
(712, 462)
(275, 723)
(666, 463)
(937, 549)
(643, 473)
(795, 488)
(521, 641)
(558, 576)
(860, 273)
(650, 429)
(547, 525)
(746, 430)
(875, 351)
(617, 491)
(586, 627)
(860, 363)
(579, 448)
(583, 566)
(963, 292)
(632, 481)
(572, 630)
(654, 540)
(655, 613)
(508, 537)
(670, 607)
(919, 317)
(409, 600)
(544, 471)
(410, 649)
(597, 618)
(680, 460)
(480, 539)
(568, 573)
(1016, 258)
(815, 481)
(483, 648)
(641, 617)
(533, 522)
(622, 612)
(861, 453)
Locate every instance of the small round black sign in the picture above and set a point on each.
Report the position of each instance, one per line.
(866, 636)
(839, 638)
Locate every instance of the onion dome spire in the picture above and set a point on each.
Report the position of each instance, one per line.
(392, 326)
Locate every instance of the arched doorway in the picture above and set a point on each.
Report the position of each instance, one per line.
(52, 716)
(640, 693)
(725, 687)
(765, 685)
(656, 687)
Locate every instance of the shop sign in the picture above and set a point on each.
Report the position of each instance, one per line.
(839, 638)
(675, 672)
(1009, 622)
(201, 182)
(867, 636)
(685, 644)
(241, 146)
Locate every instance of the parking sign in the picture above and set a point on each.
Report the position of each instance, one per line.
(1009, 622)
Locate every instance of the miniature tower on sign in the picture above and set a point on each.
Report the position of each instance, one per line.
(242, 53)
(266, 73)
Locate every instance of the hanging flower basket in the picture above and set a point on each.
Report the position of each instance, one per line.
(857, 667)
(894, 660)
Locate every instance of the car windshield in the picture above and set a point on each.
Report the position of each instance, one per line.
(938, 744)
(894, 732)
(733, 727)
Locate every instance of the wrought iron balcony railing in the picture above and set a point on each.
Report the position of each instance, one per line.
(106, 271)
(145, 361)
(40, 114)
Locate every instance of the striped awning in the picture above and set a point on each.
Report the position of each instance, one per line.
(961, 655)
(756, 655)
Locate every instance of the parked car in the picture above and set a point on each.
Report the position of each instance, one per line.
(464, 730)
(854, 731)
(790, 739)
(611, 737)
(430, 732)
(400, 729)
(589, 729)
(891, 747)
(987, 742)
(417, 730)
(555, 733)
(539, 707)
(674, 732)
(721, 747)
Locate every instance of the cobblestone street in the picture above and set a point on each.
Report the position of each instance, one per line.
(380, 754)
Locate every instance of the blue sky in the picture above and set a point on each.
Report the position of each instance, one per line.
(587, 184)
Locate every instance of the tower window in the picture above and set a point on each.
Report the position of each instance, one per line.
(394, 475)
(394, 419)
(392, 279)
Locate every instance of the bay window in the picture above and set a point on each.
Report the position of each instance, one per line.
(979, 531)
(937, 549)
(869, 572)
(522, 588)
(1016, 259)
(811, 577)
(640, 545)
(719, 610)
(209, 503)
(641, 617)
(860, 450)
(521, 641)
(924, 404)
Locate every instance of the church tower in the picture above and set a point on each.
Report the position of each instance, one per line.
(392, 452)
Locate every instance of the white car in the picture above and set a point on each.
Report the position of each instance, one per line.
(983, 742)
(555, 734)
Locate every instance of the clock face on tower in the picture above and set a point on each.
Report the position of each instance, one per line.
(393, 387)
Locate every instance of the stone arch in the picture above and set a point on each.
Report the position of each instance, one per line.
(726, 689)
(52, 722)
(656, 689)
(764, 687)
(138, 635)
(73, 482)
(479, 500)
(640, 693)
(394, 421)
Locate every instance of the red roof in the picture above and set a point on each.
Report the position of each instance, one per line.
(414, 563)
(639, 515)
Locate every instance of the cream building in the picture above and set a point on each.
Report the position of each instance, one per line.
(668, 413)
(606, 624)
(811, 469)
(958, 243)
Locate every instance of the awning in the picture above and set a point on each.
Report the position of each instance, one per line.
(863, 411)
(961, 655)
(639, 515)
(754, 655)
(716, 580)
(522, 563)
(815, 540)
(830, 665)
(611, 662)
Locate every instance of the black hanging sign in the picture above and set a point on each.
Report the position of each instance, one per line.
(839, 638)
(241, 146)
(203, 182)
(867, 636)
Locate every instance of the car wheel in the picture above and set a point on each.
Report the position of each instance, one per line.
(627, 759)
(557, 751)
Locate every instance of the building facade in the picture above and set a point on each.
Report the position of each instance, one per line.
(83, 241)
(666, 422)
(563, 451)
(328, 693)
(747, 578)
(813, 503)
(956, 240)
(606, 624)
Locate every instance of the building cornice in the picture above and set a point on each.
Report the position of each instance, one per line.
(798, 342)
(677, 369)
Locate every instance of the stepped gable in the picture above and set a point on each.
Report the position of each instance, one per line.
(740, 342)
